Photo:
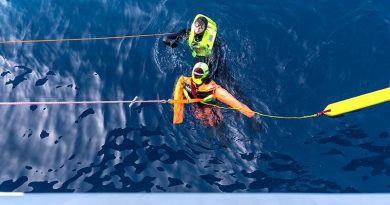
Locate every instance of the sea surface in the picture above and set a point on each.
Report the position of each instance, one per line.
(281, 57)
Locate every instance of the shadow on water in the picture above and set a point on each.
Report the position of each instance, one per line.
(19, 78)
(10, 185)
(378, 162)
(87, 112)
(96, 173)
(361, 149)
(295, 178)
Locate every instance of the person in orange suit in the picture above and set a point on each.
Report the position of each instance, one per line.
(199, 85)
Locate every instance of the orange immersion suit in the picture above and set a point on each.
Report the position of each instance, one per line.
(201, 92)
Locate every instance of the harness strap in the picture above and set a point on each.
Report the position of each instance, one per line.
(193, 89)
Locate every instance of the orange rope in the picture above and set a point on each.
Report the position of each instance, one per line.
(82, 39)
(195, 100)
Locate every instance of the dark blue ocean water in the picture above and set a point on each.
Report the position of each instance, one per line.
(283, 57)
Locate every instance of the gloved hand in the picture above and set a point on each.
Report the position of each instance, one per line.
(171, 40)
(186, 95)
(208, 99)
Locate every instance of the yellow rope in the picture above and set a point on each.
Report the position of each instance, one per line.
(264, 115)
(287, 117)
(82, 39)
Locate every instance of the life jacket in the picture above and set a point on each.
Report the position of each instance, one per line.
(205, 46)
(202, 91)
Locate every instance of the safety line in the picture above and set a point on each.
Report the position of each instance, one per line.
(271, 116)
(287, 117)
(171, 101)
(83, 102)
(83, 39)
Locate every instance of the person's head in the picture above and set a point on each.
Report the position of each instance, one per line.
(200, 25)
(200, 72)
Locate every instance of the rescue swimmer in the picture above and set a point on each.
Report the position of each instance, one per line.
(201, 39)
(199, 85)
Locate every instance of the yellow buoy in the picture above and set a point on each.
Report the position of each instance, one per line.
(358, 102)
